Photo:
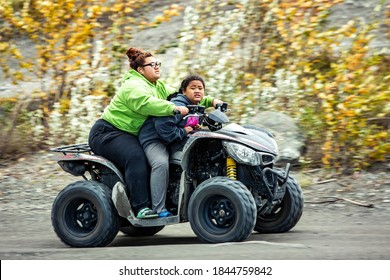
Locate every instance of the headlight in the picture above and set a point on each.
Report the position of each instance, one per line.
(245, 155)
(242, 154)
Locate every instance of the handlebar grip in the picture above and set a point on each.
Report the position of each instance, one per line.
(221, 106)
(176, 112)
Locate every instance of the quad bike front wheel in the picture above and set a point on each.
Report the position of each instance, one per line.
(285, 215)
(222, 210)
(83, 215)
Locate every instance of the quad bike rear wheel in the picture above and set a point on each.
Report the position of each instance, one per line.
(222, 210)
(285, 215)
(83, 215)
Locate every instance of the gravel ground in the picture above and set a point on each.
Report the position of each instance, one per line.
(31, 183)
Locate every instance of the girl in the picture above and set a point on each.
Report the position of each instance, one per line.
(157, 133)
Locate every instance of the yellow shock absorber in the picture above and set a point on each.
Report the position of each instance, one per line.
(231, 168)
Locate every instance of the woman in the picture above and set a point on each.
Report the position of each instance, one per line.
(157, 132)
(114, 135)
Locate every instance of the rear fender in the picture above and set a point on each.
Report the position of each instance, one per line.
(76, 164)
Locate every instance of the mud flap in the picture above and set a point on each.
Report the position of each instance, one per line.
(120, 200)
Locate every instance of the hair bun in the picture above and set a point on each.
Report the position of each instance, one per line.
(137, 57)
(133, 53)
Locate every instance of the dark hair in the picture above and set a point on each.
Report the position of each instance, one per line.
(172, 95)
(188, 79)
(137, 57)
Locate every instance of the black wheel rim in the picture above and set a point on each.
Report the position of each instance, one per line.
(81, 216)
(219, 214)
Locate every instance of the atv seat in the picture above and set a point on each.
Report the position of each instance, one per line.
(176, 157)
(176, 152)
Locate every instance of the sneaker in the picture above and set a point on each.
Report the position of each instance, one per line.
(164, 214)
(146, 213)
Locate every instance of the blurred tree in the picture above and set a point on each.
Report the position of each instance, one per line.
(71, 38)
(280, 55)
(256, 55)
(77, 46)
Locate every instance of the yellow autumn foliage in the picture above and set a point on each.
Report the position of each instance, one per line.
(68, 41)
(257, 55)
(343, 93)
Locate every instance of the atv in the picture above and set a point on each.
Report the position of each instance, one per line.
(223, 181)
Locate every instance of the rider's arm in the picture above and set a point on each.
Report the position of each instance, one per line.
(141, 99)
(207, 101)
(168, 129)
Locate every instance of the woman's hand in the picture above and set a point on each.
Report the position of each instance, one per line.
(183, 110)
(216, 101)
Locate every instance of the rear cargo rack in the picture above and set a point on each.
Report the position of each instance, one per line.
(74, 148)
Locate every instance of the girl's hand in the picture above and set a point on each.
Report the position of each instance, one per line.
(188, 129)
(196, 127)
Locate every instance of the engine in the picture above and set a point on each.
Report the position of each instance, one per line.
(207, 160)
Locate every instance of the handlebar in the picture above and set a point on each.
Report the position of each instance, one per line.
(213, 120)
(196, 109)
(222, 107)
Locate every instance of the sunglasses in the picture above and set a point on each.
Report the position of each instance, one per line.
(153, 64)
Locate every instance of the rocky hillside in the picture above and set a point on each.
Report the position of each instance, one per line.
(364, 11)
(164, 37)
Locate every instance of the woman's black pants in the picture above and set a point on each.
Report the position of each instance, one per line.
(124, 150)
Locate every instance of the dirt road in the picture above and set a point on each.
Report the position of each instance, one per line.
(345, 220)
(341, 233)
(330, 229)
